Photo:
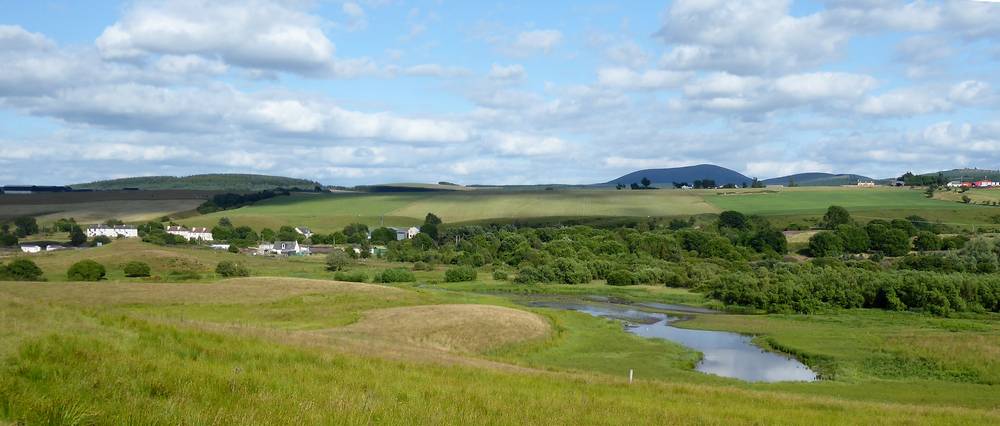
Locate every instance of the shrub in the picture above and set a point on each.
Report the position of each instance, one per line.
(532, 275)
(621, 277)
(228, 269)
(825, 244)
(136, 269)
(20, 270)
(500, 275)
(459, 274)
(233, 249)
(927, 241)
(351, 276)
(394, 275)
(337, 260)
(86, 270)
(422, 266)
(102, 239)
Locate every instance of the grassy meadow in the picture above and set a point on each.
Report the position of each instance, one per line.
(269, 349)
(330, 212)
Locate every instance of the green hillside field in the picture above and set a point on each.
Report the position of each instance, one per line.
(329, 212)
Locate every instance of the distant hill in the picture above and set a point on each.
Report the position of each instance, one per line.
(207, 182)
(818, 179)
(665, 177)
(967, 174)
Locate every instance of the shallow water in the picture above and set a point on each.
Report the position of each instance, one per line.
(725, 354)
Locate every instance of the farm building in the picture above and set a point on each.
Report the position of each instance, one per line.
(117, 231)
(954, 184)
(302, 230)
(403, 233)
(866, 184)
(203, 234)
(31, 248)
(286, 248)
(985, 184)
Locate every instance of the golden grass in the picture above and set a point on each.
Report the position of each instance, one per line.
(452, 328)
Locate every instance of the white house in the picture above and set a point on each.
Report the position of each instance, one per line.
(403, 233)
(302, 230)
(286, 248)
(123, 231)
(54, 247)
(31, 248)
(203, 234)
(954, 184)
(220, 246)
(866, 184)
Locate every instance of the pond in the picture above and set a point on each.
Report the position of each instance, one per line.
(724, 354)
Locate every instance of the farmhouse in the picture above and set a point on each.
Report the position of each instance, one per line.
(866, 184)
(117, 231)
(954, 184)
(285, 248)
(31, 248)
(302, 230)
(403, 233)
(985, 184)
(203, 234)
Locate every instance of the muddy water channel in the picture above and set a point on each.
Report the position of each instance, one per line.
(724, 354)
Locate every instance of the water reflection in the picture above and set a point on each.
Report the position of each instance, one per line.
(725, 354)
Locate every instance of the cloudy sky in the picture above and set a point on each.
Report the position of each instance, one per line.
(371, 91)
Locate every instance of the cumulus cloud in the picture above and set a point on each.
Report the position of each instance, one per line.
(626, 78)
(723, 92)
(527, 145)
(506, 72)
(534, 41)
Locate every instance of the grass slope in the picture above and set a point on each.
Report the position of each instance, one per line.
(161, 357)
(213, 182)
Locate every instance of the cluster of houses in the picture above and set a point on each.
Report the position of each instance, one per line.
(973, 184)
(200, 234)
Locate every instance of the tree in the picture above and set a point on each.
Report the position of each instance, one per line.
(136, 269)
(77, 237)
(460, 274)
(733, 219)
(225, 222)
(634, 185)
(8, 240)
(287, 233)
(267, 234)
(756, 183)
(645, 182)
(337, 260)
(86, 270)
(383, 235)
(927, 241)
(233, 249)
(356, 233)
(854, 238)
(21, 270)
(887, 240)
(432, 219)
(64, 225)
(835, 216)
(25, 225)
(825, 244)
(792, 183)
(228, 269)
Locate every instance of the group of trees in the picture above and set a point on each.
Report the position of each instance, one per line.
(11, 233)
(230, 200)
(889, 238)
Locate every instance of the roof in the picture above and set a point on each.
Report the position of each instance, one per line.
(200, 230)
(176, 228)
(303, 229)
(102, 226)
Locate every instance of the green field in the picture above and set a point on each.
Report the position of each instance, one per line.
(329, 212)
(293, 350)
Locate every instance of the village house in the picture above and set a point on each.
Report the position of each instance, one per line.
(203, 234)
(403, 233)
(117, 231)
(284, 248)
(31, 248)
(866, 184)
(954, 184)
(302, 230)
(985, 184)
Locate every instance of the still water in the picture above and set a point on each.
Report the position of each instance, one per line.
(724, 354)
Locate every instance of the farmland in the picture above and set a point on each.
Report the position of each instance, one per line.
(329, 212)
(92, 207)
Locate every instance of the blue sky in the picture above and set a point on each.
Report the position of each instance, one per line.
(507, 92)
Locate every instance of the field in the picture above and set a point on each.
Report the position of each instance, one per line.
(292, 350)
(326, 212)
(94, 207)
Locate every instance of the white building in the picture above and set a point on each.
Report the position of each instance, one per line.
(54, 247)
(117, 231)
(31, 248)
(954, 184)
(405, 233)
(285, 248)
(203, 234)
(302, 230)
(866, 184)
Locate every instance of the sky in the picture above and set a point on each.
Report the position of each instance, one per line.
(477, 92)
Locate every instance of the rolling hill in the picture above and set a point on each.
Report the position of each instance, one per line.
(817, 179)
(206, 182)
(665, 177)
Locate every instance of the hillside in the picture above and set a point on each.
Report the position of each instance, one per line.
(967, 174)
(206, 182)
(817, 179)
(665, 177)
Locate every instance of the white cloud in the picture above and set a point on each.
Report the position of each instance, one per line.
(358, 20)
(527, 145)
(529, 42)
(435, 70)
(13, 37)
(625, 78)
(904, 103)
(189, 64)
(506, 72)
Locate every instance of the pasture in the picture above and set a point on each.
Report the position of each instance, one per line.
(95, 207)
(330, 212)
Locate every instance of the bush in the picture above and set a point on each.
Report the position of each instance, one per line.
(927, 241)
(102, 239)
(500, 275)
(351, 276)
(20, 270)
(86, 270)
(459, 274)
(621, 277)
(136, 269)
(394, 275)
(422, 266)
(532, 275)
(229, 269)
(337, 260)
(233, 249)
(825, 244)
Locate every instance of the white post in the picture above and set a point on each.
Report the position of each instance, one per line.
(630, 376)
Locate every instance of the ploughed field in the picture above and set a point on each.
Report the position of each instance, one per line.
(331, 212)
(289, 350)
